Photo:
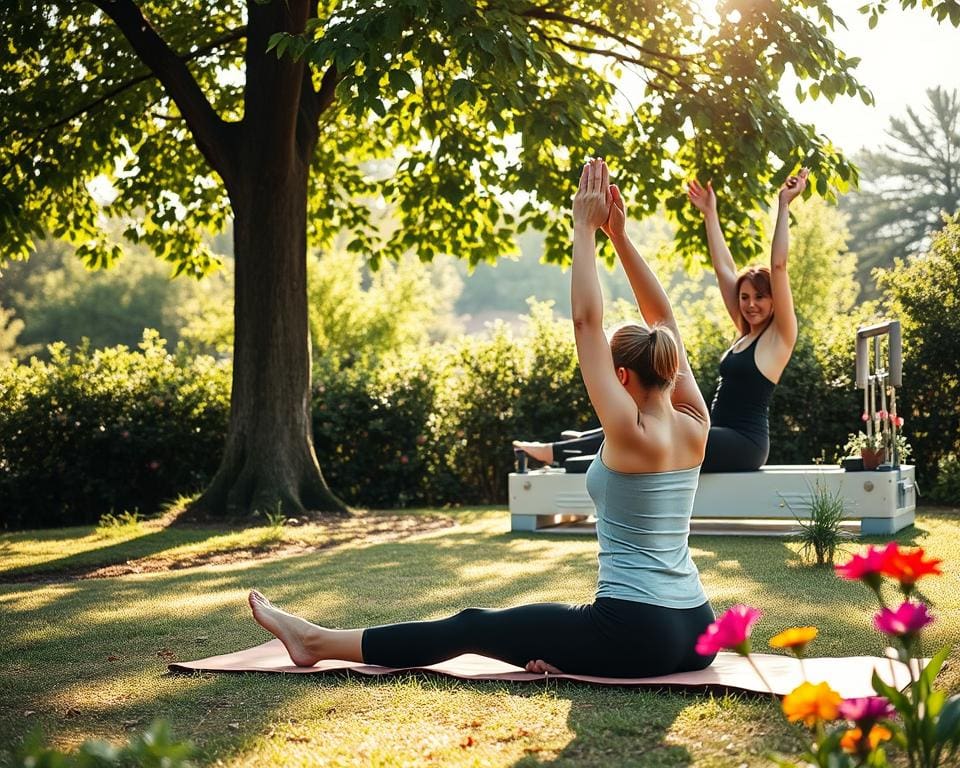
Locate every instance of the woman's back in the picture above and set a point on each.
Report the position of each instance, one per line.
(665, 439)
(643, 522)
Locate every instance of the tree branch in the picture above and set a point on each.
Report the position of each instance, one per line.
(546, 14)
(210, 132)
(621, 57)
(237, 34)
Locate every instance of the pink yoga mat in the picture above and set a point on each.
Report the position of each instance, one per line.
(848, 676)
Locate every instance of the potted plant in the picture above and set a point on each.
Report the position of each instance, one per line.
(870, 448)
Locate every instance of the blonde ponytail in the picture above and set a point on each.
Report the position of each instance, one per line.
(653, 354)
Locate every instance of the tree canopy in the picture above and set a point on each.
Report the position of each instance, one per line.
(441, 109)
(908, 184)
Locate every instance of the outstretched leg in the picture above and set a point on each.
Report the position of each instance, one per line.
(549, 453)
(540, 451)
(306, 643)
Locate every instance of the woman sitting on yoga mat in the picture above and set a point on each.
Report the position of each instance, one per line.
(760, 304)
(650, 606)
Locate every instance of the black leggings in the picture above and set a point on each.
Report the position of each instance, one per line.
(610, 638)
(727, 450)
(732, 451)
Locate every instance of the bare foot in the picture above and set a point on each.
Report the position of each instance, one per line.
(539, 451)
(295, 633)
(540, 667)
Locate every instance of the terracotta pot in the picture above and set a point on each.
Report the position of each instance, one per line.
(871, 458)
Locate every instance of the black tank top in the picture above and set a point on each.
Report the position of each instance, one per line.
(742, 400)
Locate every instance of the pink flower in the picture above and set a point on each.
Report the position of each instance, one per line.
(731, 631)
(864, 416)
(882, 415)
(898, 420)
(866, 710)
(869, 567)
(905, 622)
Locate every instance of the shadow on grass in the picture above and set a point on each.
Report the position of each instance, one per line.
(112, 552)
(629, 728)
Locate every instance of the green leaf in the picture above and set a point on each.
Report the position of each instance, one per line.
(345, 58)
(932, 669)
(486, 39)
(461, 90)
(400, 80)
(900, 702)
(948, 724)
(454, 9)
(275, 39)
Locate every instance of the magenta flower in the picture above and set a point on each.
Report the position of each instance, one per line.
(869, 567)
(882, 415)
(731, 631)
(866, 711)
(864, 416)
(904, 622)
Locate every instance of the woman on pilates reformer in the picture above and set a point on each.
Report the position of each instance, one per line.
(760, 304)
(650, 606)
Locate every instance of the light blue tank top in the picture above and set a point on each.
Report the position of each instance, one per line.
(643, 521)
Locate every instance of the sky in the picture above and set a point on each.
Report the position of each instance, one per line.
(905, 54)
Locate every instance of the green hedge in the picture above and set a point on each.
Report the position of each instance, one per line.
(373, 431)
(91, 432)
(435, 427)
(924, 293)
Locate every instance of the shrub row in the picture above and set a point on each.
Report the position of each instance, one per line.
(91, 432)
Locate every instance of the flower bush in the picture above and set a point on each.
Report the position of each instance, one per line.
(919, 720)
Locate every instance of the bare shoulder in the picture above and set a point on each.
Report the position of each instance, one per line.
(691, 431)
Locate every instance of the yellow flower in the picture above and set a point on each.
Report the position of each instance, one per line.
(795, 639)
(810, 703)
(851, 741)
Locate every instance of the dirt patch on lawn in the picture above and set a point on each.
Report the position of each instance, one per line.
(362, 527)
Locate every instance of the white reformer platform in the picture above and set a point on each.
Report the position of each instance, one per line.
(765, 502)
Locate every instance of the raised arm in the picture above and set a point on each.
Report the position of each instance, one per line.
(784, 316)
(654, 306)
(704, 200)
(591, 205)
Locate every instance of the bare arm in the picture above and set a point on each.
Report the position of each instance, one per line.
(705, 200)
(655, 308)
(784, 316)
(615, 408)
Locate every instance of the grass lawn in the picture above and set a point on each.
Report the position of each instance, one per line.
(86, 657)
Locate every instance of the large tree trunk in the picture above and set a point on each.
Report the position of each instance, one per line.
(269, 463)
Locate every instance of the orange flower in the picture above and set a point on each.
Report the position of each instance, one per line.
(909, 567)
(852, 740)
(810, 703)
(795, 638)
